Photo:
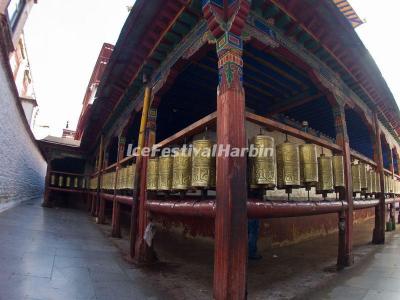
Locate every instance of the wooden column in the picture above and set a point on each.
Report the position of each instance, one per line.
(138, 171)
(102, 201)
(230, 254)
(392, 206)
(115, 223)
(100, 168)
(143, 252)
(345, 251)
(380, 210)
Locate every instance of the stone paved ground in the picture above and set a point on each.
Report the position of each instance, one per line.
(61, 254)
(377, 277)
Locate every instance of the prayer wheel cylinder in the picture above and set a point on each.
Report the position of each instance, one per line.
(355, 175)
(203, 164)
(308, 165)
(264, 166)
(152, 174)
(363, 176)
(165, 173)
(76, 182)
(338, 171)
(325, 174)
(83, 183)
(131, 170)
(385, 181)
(181, 170)
(53, 179)
(370, 182)
(68, 182)
(60, 181)
(288, 161)
(252, 174)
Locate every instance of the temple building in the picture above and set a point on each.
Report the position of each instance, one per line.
(289, 76)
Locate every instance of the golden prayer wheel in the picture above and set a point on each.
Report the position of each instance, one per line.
(264, 162)
(53, 179)
(76, 182)
(308, 165)
(385, 186)
(165, 173)
(60, 181)
(338, 171)
(68, 182)
(363, 176)
(370, 182)
(252, 174)
(122, 178)
(355, 175)
(132, 174)
(203, 164)
(181, 170)
(325, 174)
(152, 174)
(83, 183)
(287, 159)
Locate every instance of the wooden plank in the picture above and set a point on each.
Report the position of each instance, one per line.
(275, 125)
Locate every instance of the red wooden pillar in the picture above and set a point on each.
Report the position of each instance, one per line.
(380, 210)
(102, 201)
(345, 251)
(115, 223)
(100, 170)
(226, 20)
(144, 253)
(392, 206)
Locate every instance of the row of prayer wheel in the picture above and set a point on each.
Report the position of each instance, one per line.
(183, 170)
(93, 183)
(392, 186)
(364, 180)
(67, 181)
(126, 176)
(293, 167)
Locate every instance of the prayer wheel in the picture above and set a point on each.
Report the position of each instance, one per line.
(385, 186)
(53, 179)
(165, 173)
(252, 174)
(83, 183)
(264, 165)
(363, 177)
(130, 176)
(308, 165)
(325, 175)
(181, 170)
(76, 182)
(152, 174)
(288, 173)
(355, 175)
(68, 182)
(370, 182)
(338, 171)
(123, 178)
(60, 181)
(377, 182)
(203, 164)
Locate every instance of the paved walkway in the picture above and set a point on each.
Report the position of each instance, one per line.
(377, 276)
(59, 254)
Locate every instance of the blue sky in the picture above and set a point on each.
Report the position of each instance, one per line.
(64, 38)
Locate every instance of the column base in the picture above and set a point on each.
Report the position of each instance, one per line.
(144, 254)
(378, 238)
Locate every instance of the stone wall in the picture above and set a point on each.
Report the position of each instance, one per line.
(22, 167)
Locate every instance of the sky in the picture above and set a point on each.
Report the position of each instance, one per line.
(64, 39)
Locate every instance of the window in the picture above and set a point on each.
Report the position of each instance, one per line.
(14, 10)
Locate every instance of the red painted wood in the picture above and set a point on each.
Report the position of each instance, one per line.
(345, 251)
(380, 211)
